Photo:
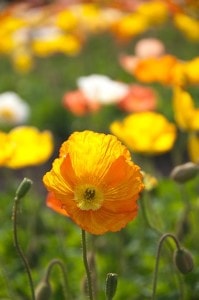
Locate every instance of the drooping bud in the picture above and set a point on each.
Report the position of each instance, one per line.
(185, 172)
(111, 285)
(183, 260)
(23, 188)
(43, 291)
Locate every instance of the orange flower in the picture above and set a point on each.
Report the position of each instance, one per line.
(94, 182)
(156, 69)
(77, 103)
(138, 99)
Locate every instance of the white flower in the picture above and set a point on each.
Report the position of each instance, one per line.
(101, 88)
(13, 110)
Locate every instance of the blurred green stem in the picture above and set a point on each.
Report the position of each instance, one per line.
(85, 260)
(162, 239)
(146, 216)
(62, 267)
(18, 248)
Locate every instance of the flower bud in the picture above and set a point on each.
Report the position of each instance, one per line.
(111, 285)
(43, 291)
(185, 172)
(183, 260)
(23, 188)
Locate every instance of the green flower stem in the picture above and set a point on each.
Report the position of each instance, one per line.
(62, 267)
(88, 273)
(162, 239)
(18, 248)
(146, 217)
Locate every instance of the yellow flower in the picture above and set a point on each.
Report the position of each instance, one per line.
(94, 182)
(193, 147)
(6, 44)
(188, 25)
(186, 115)
(22, 60)
(65, 43)
(66, 20)
(155, 12)
(31, 147)
(192, 71)
(44, 47)
(9, 25)
(7, 148)
(146, 132)
(91, 18)
(130, 25)
(68, 44)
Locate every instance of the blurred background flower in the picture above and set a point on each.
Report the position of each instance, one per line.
(193, 147)
(148, 133)
(25, 146)
(188, 25)
(93, 92)
(149, 47)
(77, 103)
(185, 113)
(7, 148)
(139, 98)
(144, 48)
(13, 109)
(100, 88)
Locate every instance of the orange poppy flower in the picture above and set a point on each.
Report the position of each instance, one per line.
(94, 182)
(77, 103)
(156, 69)
(138, 99)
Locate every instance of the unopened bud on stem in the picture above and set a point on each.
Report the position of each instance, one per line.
(111, 285)
(23, 188)
(183, 260)
(43, 291)
(185, 172)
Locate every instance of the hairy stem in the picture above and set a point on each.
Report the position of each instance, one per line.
(162, 239)
(18, 248)
(85, 260)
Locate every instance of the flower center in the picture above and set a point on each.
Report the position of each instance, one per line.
(89, 194)
(88, 197)
(7, 114)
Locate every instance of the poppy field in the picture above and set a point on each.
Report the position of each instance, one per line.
(99, 155)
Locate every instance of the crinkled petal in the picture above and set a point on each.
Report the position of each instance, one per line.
(92, 154)
(102, 221)
(97, 163)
